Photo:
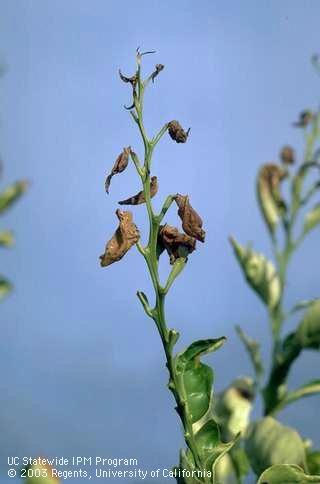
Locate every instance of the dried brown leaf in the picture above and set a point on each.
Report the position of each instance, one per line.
(119, 166)
(158, 69)
(191, 221)
(177, 133)
(132, 80)
(139, 197)
(287, 155)
(126, 235)
(174, 242)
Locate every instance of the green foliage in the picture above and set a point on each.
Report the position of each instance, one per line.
(12, 194)
(313, 462)
(312, 219)
(259, 273)
(268, 442)
(286, 474)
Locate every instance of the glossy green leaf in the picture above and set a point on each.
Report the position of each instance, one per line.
(308, 332)
(5, 287)
(197, 377)
(6, 238)
(253, 349)
(210, 445)
(11, 194)
(259, 272)
(286, 474)
(268, 442)
(312, 219)
(313, 462)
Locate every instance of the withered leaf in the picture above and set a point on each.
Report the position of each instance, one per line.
(174, 242)
(287, 155)
(269, 194)
(126, 235)
(132, 80)
(305, 118)
(139, 197)
(191, 221)
(158, 69)
(177, 133)
(119, 166)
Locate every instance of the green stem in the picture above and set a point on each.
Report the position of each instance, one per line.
(272, 393)
(168, 337)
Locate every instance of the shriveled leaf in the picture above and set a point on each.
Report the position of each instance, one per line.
(191, 221)
(313, 462)
(253, 349)
(177, 133)
(197, 377)
(6, 238)
(312, 219)
(259, 272)
(308, 332)
(5, 287)
(119, 166)
(268, 442)
(139, 197)
(176, 244)
(286, 474)
(156, 72)
(287, 155)
(233, 406)
(126, 235)
(11, 194)
(269, 196)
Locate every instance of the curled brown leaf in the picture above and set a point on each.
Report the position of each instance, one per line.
(119, 166)
(174, 242)
(191, 221)
(305, 118)
(287, 155)
(139, 197)
(177, 133)
(271, 202)
(126, 235)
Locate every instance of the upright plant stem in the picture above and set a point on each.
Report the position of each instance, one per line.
(149, 252)
(280, 368)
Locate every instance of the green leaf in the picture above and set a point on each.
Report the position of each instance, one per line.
(302, 305)
(240, 462)
(11, 194)
(269, 196)
(253, 349)
(312, 219)
(210, 445)
(5, 287)
(313, 461)
(311, 388)
(186, 473)
(268, 442)
(308, 332)
(6, 238)
(286, 474)
(260, 273)
(197, 378)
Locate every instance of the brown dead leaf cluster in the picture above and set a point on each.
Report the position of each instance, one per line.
(174, 242)
(177, 133)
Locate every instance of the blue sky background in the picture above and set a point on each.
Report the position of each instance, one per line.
(82, 368)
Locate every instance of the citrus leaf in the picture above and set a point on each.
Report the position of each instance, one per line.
(268, 442)
(6, 238)
(311, 388)
(312, 219)
(286, 474)
(5, 287)
(11, 194)
(259, 272)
